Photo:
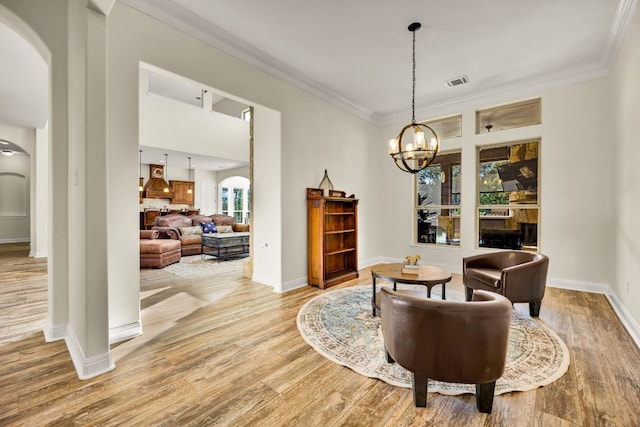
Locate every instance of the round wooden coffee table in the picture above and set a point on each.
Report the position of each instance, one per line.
(428, 276)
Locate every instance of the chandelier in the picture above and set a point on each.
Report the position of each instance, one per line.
(417, 144)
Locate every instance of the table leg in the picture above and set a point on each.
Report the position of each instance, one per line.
(428, 291)
(444, 289)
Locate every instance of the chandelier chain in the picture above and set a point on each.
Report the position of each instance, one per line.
(413, 90)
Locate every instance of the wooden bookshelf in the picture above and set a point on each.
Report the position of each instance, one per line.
(332, 238)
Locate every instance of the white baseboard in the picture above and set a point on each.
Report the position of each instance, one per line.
(294, 284)
(87, 368)
(125, 332)
(41, 254)
(55, 332)
(575, 285)
(16, 240)
(625, 317)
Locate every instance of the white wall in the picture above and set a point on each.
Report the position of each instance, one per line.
(625, 173)
(15, 186)
(314, 135)
(166, 123)
(575, 204)
(40, 195)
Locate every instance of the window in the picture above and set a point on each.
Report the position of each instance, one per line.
(234, 198)
(508, 203)
(448, 127)
(237, 204)
(520, 114)
(225, 201)
(438, 201)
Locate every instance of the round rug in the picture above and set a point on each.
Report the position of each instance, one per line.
(338, 324)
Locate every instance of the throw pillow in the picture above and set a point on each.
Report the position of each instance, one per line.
(208, 227)
(225, 229)
(186, 231)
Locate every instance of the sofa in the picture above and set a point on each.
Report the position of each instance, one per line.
(188, 229)
(156, 252)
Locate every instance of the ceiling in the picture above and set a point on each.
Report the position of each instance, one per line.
(180, 160)
(357, 54)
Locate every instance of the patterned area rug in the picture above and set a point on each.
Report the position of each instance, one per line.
(338, 324)
(192, 267)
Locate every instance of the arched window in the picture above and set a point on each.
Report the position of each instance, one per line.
(234, 198)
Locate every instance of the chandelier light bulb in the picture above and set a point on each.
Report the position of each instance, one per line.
(418, 138)
(393, 146)
(433, 145)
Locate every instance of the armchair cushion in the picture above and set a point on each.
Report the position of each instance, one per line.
(225, 229)
(200, 219)
(186, 231)
(488, 276)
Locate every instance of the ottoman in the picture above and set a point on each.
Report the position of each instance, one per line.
(157, 253)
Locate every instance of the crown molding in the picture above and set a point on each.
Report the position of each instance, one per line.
(181, 19)
(512, 91)
(178, 17)
(102, 6)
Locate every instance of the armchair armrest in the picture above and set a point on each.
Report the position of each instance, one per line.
(149, 234)
(527, 281)
(240, 227)
(167, 232)
(492, 260)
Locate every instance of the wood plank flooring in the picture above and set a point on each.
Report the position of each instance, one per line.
(226, 351)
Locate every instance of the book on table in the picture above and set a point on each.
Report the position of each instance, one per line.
(411, 269)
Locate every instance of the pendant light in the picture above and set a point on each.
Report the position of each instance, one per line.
(415, 150)
(141, 180)
(189, 190)
(166, 172)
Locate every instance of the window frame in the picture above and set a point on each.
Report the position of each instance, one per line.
(455, 225)
(509, 210)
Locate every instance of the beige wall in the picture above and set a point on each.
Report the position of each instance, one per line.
(571, 129)
(625, 173)
(166, 123)
(314, 135)
(15, 207)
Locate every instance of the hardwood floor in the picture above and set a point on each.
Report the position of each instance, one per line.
(226, 351)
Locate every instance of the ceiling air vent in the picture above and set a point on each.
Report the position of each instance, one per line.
(457, 81)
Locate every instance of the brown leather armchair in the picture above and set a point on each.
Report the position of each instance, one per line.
(458, 342)
(519, 276)
(169, 227)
